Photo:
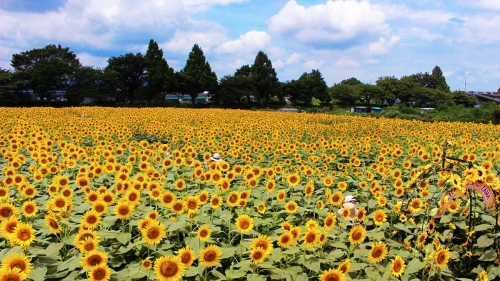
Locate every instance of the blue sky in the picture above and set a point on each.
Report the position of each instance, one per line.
(343, 39)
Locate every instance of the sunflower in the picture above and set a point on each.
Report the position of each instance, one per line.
(329, 221)
(312, 224)
(166, 198)
(233, 199)
(332, 275)
(215, 201)
(84, 234)
(345, 266)
(291, 207)
(178, 207)
(168, 268)
(378, 252)
(90, 220)
(203, 197)
(357, 234)
(124, 210)
(146, 264)
(379, 217)
(442, 257)
(92, 197)
(261, 208)
(180, 184)
(270, 185)
(311, 238)
(296, 233)
(7, 210)
(264, 243)
(293, 179)
(153, 233)
(204, 232)
(99, 273)
(483, 275)
(210, 256)
(89, 244)
(337, 198)
(18, 260)
(421, 239)
(285, 240)
(23, 235)
(94, 258)
(192, 204)
(398, 267)
(100, 207)
(281, 196)
(59, 203)
(431, 226)
(12, 274)
(328, 181)
(8, 226)
(257, 255)
(453, 206)
(244, 223)
(53, 224)
(29, 208)
(186, 256)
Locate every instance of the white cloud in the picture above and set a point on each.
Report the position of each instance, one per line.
(293, 58)
(334, 25)
(425, 34)
(383, 45)
(278, 64)
(90, 60)
(421, 17)
(206, 34)
(347, 63)
(312, 64)
(489, 4)
(481, 29)
(236, 64)
(251, 41)
(202, 5)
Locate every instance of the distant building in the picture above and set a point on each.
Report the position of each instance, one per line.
(486, 97)
(182, 98)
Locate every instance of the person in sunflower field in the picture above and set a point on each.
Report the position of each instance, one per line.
(215, 158)
(349, 205)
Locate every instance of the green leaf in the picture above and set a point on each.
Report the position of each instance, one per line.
(400, 226)
(373, 273)
(124, 237)
(313, 264)
(357, 266)
(482, 227)
(302, 277)
(227, 252)
(70, 264)
(485, 241)
(488, 255)
(234, 274)
(218, 274)
(461, 224)
(38, 274)
(414, 265)
(256, 277)
(336, 254)
(53, 249)
(446, 219)
(191, 271)
(176, 226)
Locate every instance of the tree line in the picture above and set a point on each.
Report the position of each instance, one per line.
(44, 73)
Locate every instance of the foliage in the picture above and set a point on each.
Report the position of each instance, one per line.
(130, 70)
(345, 94)
(45, 70)
(197, 76)
(159, 76)
(264, 77)
(281, 185)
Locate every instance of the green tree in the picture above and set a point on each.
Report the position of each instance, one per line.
(351, 81)
(197, 76)
(83, 83)
(389, 87)
(233, 89)
(45, 70)
(369, 93)
(296, 91)
(345, 94)
(159, 77)
(8, 84)
(438, 80)
(265, 78)
(315, 86)
(130, 69)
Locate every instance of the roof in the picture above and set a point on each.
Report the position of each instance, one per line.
(377, 108)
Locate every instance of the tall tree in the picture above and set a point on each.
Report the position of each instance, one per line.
(159, 76)
(234, 89)
(345, 94)
(439, 80)
(351, 81)
(197, 76)
(265, 77)
(130, 69)
(45, 70)
(309, 86)
(389, 88)
(83, 84)
(7, 86)
(369, 93)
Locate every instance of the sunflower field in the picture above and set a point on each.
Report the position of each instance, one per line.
(132, 194)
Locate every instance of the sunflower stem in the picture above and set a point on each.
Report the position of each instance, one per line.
(241, 246)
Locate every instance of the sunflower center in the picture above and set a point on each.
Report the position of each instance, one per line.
(397, 267)
(25, 235)
(332, 277)
(153, 233)
(186, 258)
(310, 238)
(377, 253)
(95, 260)
(124, 211)
(210, 256)
(168, 269)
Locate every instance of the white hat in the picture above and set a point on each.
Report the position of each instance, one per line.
(349, 198)
(216, 157)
